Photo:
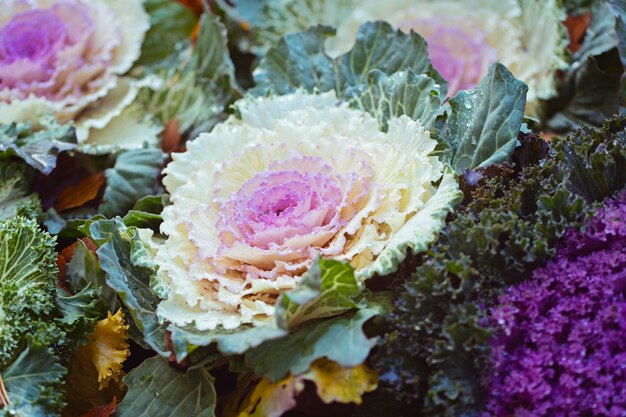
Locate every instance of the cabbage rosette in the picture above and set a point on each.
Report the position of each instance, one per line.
(296, 177)
(68, 58)
(464, 37)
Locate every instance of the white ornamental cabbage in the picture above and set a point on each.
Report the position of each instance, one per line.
(296, 177)
(464, 36)
(68, 58)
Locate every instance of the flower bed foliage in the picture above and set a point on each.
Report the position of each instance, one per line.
(262, 208)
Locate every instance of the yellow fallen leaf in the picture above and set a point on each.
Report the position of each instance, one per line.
(107, 348)
(97, 363)
(272, 399)
(335, 383)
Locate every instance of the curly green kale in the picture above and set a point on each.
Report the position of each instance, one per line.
(40, 324)
(28, 276)
(433, 354)
(15, 196)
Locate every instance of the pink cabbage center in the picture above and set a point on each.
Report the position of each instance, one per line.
(33, 35)
(52, 53)
(461, 57)
(278, 204)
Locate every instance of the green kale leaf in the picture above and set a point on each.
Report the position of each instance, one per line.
(15, 195)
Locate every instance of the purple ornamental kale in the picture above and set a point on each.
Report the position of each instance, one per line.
(560, 345)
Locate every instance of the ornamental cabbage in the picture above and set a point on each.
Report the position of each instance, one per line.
(464, 37)
(68, 57)
(258, 199)
(559, 345)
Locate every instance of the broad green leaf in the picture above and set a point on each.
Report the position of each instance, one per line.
(184, 99)
(327, 289)
(402, 93)
(84, 270)
(37, 144)
(79, 313)
(600, 35)
(299, 61)
(152, 204)
(131, 282)
(619, 9)
(483, 123)
(147, 212)
(171, 23)
(243, 11)
(34, 383)
(267, 21)
(590, 91)
(210, 59)
(229, 342)
(155, 389)
(134, 176)
(339, 339)
(73, 226)
(144, 245)
(82, 306)
(197, 89)
(380, 47)
(588, 95)
(15, 196)
(578, 7)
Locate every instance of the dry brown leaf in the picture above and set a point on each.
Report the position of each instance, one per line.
(103, 410)
(68, 252)
(170, 138)
(4, 396)
(81, 193)
(577, 27)
(196, 5)
(66, 256)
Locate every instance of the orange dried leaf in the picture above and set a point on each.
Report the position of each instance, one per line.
(79, 194)
(547, 136)
(577, 27)
(196, 5)
(68, 252)
(4, 396)
(195, 32)
(61, 265)
(103, 410)
(170, 138)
